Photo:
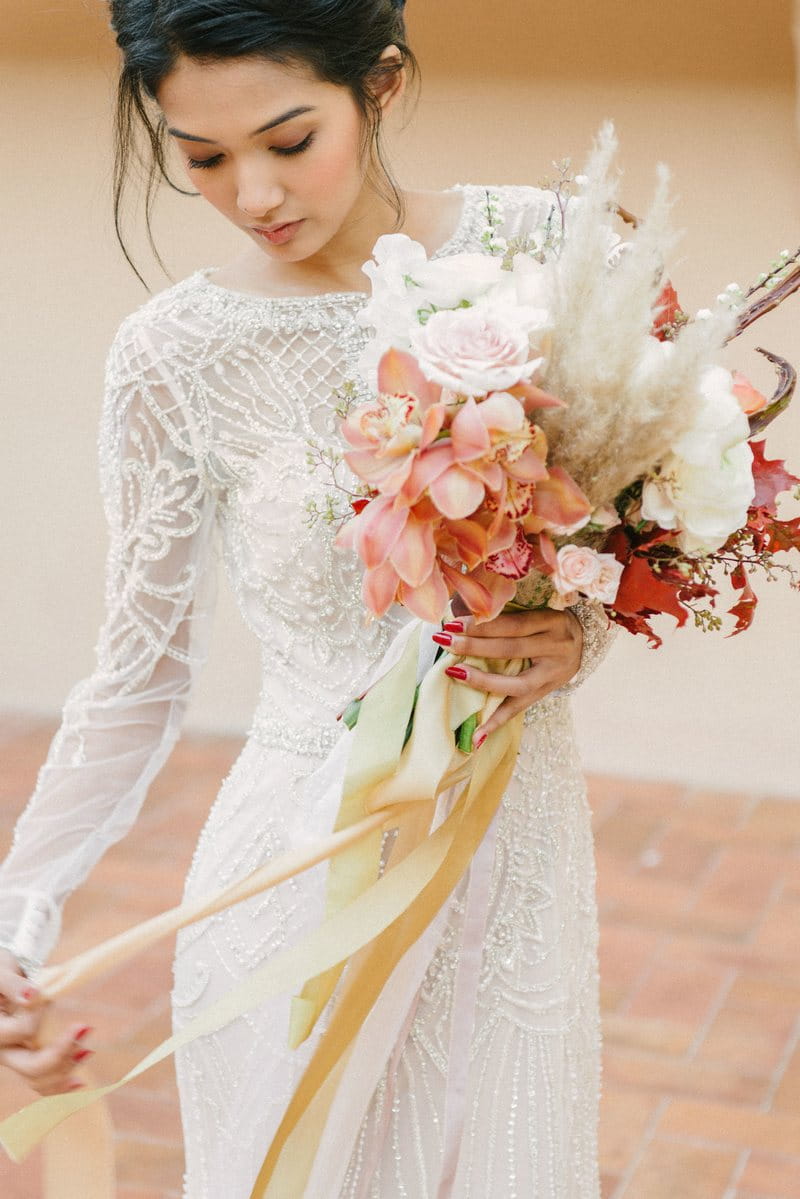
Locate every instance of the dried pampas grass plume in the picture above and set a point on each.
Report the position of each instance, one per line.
(629, 396)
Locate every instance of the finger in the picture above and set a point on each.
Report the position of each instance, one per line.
(509, 624)
(17, 991)
(51, 1063)
(494, 684)
(533, 646)
(508, 709)
(20, 1028)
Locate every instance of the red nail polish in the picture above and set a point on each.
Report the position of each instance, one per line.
(454, 626)
(478, 740)
(81, 1054)
(442, 638)
(82, 1032)
(456, 672)
(29, 993)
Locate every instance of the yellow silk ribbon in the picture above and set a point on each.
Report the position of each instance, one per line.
(373, 916)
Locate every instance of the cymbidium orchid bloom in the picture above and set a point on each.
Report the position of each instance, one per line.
(458, 481)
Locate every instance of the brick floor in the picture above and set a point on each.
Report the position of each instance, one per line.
(699, 897)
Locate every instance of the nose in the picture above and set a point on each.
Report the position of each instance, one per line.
(257, 194)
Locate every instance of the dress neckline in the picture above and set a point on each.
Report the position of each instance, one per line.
(458, 237)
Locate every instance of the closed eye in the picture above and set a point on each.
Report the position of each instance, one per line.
(205, 164)
(298, 149)
(202, 164)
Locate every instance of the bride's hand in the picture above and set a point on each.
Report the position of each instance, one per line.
(552, 642)
(49, 1069)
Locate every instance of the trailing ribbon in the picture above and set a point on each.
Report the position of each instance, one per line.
(372, 917)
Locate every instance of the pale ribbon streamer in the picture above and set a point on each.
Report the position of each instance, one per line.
(379, 1043)
(342, 935)
(432, 869)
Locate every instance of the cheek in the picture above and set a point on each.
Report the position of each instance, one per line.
(337, 166)
(212, 188)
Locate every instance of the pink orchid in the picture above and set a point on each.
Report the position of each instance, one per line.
(394, 544)
(386, 433)
(515, 562)
(557, 502)
(457, 483)
(488, 441)
(484, 592)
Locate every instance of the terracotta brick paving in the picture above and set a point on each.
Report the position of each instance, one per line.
(699, 898)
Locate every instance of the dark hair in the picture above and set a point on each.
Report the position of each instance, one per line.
(341, 41)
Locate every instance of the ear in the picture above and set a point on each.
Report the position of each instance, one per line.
(389, 88)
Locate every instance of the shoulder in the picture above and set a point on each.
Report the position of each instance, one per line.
(523, 208)
(151, 372)
(174, 326)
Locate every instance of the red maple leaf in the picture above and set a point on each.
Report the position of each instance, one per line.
(771, 479)
(783, 535)
(745, 608)
(643, 592)
(638, 624)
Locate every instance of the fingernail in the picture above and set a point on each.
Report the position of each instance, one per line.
(454, 626)
(478, 740)
(30, 993)
(456, 672)
(81, 1054)
(442, 638)
(82, 1032)
(76, 1086)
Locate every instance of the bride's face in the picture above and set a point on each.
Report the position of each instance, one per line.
(268, 145)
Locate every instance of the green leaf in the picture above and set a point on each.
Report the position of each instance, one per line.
(351, 713)
(410, 724)
(466, 732)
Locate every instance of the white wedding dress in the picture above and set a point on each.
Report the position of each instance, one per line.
(212, 397)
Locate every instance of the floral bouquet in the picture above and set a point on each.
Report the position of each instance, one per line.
(550, 425)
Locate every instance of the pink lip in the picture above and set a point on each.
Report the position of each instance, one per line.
(278, 234)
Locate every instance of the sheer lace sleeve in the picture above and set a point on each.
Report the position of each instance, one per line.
(119, 725)
(598, 636)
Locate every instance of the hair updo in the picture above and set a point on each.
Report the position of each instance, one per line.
(341, 41)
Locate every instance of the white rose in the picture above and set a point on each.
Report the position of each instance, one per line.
(705, 486)
(446, 282)
(719, 423)
(529, 284)
(705, 503)
(472, 351)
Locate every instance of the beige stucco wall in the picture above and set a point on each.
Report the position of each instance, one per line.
(707, 87)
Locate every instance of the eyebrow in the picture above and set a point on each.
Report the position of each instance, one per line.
(287, 116)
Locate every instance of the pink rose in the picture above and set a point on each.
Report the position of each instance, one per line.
(606, 585)
(581, 569)
(473, 351)
(577, 568)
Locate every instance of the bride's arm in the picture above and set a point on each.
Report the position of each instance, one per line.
(119, 725)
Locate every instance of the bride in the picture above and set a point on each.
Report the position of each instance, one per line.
(213, 390)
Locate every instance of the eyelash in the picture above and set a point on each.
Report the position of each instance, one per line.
(206, 164)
